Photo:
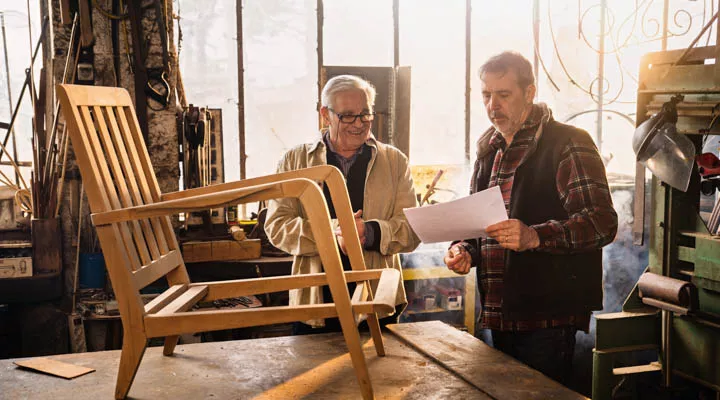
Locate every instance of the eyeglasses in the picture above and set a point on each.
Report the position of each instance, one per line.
(351, 118)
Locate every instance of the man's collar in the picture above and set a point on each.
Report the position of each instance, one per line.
(527, 129)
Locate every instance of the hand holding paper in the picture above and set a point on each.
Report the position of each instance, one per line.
(464, 218)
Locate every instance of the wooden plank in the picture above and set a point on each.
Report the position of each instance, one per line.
(247, 287)
(491, 371)
(234, 250)
(164, 324)
(158, 325)
(104, 178)
(185, 301)
(637, 369)
(165, 298)
(134, 153)
(54, 367)
(120, 183)
(127, 169)
(197, 251)
(360, 293)
(201, 202)
(157, 269)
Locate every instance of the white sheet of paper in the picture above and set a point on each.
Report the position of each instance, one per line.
(464, 218)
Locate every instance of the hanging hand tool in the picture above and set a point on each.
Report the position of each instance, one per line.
(139, 54)
(157, 87)
(86, 62)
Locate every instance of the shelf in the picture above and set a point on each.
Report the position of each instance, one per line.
(15, 245)
(430, 311)
(699, 235)
(686, 272)
(412, 274)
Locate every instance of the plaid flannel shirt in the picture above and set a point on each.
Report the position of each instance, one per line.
(583, 190)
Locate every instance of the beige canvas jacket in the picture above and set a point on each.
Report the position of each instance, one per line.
(388, 189)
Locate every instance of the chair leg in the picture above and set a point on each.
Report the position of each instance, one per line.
(133, 348)
(352, 340)
(376, 334)
(170, 343)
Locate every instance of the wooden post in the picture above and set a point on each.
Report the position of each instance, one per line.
(46, 246)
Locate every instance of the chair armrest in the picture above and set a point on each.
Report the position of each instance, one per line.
(285, 188)
(327, 174)
(387, 288)
(319, 174)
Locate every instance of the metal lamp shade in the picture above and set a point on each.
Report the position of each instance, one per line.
(669, 155)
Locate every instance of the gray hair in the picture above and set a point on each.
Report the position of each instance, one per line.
(510, 60)
(344, 83)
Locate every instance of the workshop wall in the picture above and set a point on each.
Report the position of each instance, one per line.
(162, 135)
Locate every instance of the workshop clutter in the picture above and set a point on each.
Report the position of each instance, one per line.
(15, 267)
(435, 297)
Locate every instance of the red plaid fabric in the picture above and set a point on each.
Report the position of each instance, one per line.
(582, 187)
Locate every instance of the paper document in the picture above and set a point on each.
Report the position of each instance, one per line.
(464, 218)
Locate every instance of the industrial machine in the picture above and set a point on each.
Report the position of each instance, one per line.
(673, 314)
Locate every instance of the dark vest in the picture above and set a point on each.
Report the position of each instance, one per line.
(539, 285)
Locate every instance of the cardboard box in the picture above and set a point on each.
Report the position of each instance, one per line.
(15, 267)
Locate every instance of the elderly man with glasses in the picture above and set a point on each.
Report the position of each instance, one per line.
(379, 184)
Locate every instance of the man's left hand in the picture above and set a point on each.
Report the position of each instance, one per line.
(513, 234)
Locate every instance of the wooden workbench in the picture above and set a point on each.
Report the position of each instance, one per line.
(443, 363)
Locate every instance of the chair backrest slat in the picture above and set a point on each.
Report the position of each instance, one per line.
(106, 182)
(117, 173)
(120, 182)
(149, 188)
(132, 197)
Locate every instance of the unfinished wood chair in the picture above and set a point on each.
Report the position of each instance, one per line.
(132, 220)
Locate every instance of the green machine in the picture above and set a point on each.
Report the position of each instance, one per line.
(674, 311)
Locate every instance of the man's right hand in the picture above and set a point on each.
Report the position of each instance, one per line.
(458, 259)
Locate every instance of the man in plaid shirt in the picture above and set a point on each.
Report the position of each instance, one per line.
(540, 272)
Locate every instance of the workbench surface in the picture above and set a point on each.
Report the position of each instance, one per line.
(313, 366)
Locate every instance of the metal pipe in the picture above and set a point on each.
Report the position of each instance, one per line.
(536, 40)
(663, 43)
(320, 15)
(666, 323)
(241, 88)
(396, 33)
(666, 330)
(601, 77)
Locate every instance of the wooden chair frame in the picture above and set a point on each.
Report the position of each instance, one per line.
(132, 220)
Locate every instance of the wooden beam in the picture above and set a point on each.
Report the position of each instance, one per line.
(156, 269)
(184, 302)
(165, 298)
(247, 287)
